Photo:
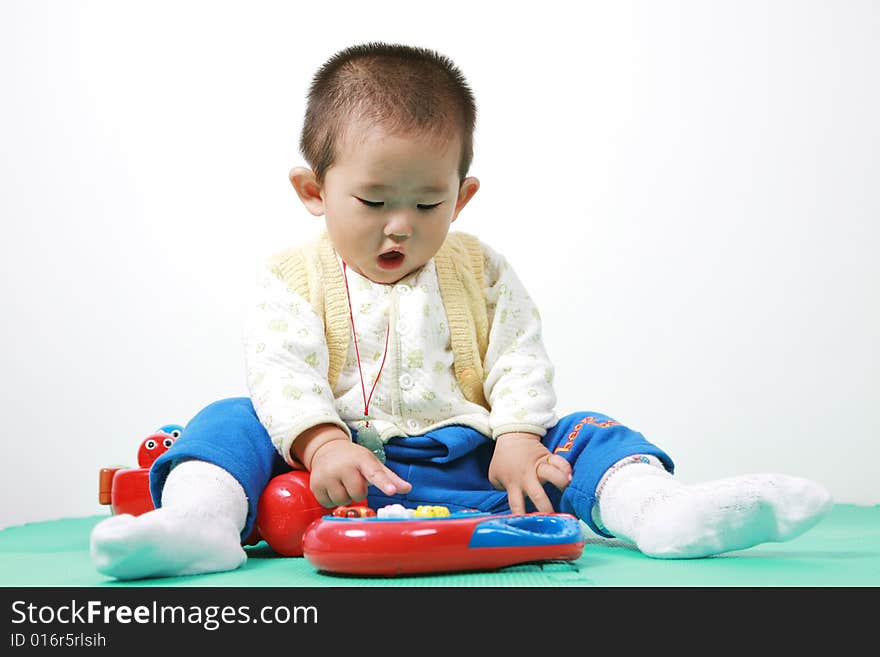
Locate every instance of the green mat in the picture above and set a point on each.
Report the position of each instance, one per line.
(843, 550)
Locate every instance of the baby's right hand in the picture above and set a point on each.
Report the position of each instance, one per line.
(341, 471)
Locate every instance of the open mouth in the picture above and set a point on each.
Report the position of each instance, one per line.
(390, 260)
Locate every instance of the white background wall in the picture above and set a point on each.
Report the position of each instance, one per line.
(690, 191)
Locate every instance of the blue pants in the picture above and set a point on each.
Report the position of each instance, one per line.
(448, 466)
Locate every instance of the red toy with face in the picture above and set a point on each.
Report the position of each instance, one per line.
(127, 490)
(154, 445)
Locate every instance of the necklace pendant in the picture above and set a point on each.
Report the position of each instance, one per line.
(368, 437)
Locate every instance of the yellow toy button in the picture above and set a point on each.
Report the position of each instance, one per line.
(428, 511)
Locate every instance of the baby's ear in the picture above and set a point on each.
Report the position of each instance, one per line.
(305, 182)
(466, 191)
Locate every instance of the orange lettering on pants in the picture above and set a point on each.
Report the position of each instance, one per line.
(566, 446)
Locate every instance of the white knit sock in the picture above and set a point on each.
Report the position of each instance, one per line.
(196, 530)
(669, 520)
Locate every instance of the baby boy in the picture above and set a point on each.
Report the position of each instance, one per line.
(403, 363)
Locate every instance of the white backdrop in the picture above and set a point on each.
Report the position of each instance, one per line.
(689, 190)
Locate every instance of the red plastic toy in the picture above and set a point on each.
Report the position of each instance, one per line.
(285, 510)
(127, 490)
(462, 541)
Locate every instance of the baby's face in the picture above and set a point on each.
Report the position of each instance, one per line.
(389, 201)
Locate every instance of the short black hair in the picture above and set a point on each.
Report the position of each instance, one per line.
(401, 88)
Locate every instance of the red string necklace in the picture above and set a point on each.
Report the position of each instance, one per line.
(368, 437)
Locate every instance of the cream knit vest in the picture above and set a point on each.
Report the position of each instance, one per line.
(312, 271)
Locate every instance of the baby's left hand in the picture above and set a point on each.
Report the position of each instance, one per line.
(521, 465)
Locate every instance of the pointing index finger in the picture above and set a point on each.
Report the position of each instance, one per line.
(384, 479)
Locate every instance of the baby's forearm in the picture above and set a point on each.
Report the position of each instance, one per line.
(309, 441)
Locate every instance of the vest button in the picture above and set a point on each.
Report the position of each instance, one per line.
(403, 288)
(403, 327)
(406, 381)
(413, 425)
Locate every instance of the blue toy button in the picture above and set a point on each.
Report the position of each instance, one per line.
(527, 530)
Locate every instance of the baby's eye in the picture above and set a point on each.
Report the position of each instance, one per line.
(426, 207)
(371, 204)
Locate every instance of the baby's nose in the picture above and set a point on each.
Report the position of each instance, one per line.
(398, 227)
